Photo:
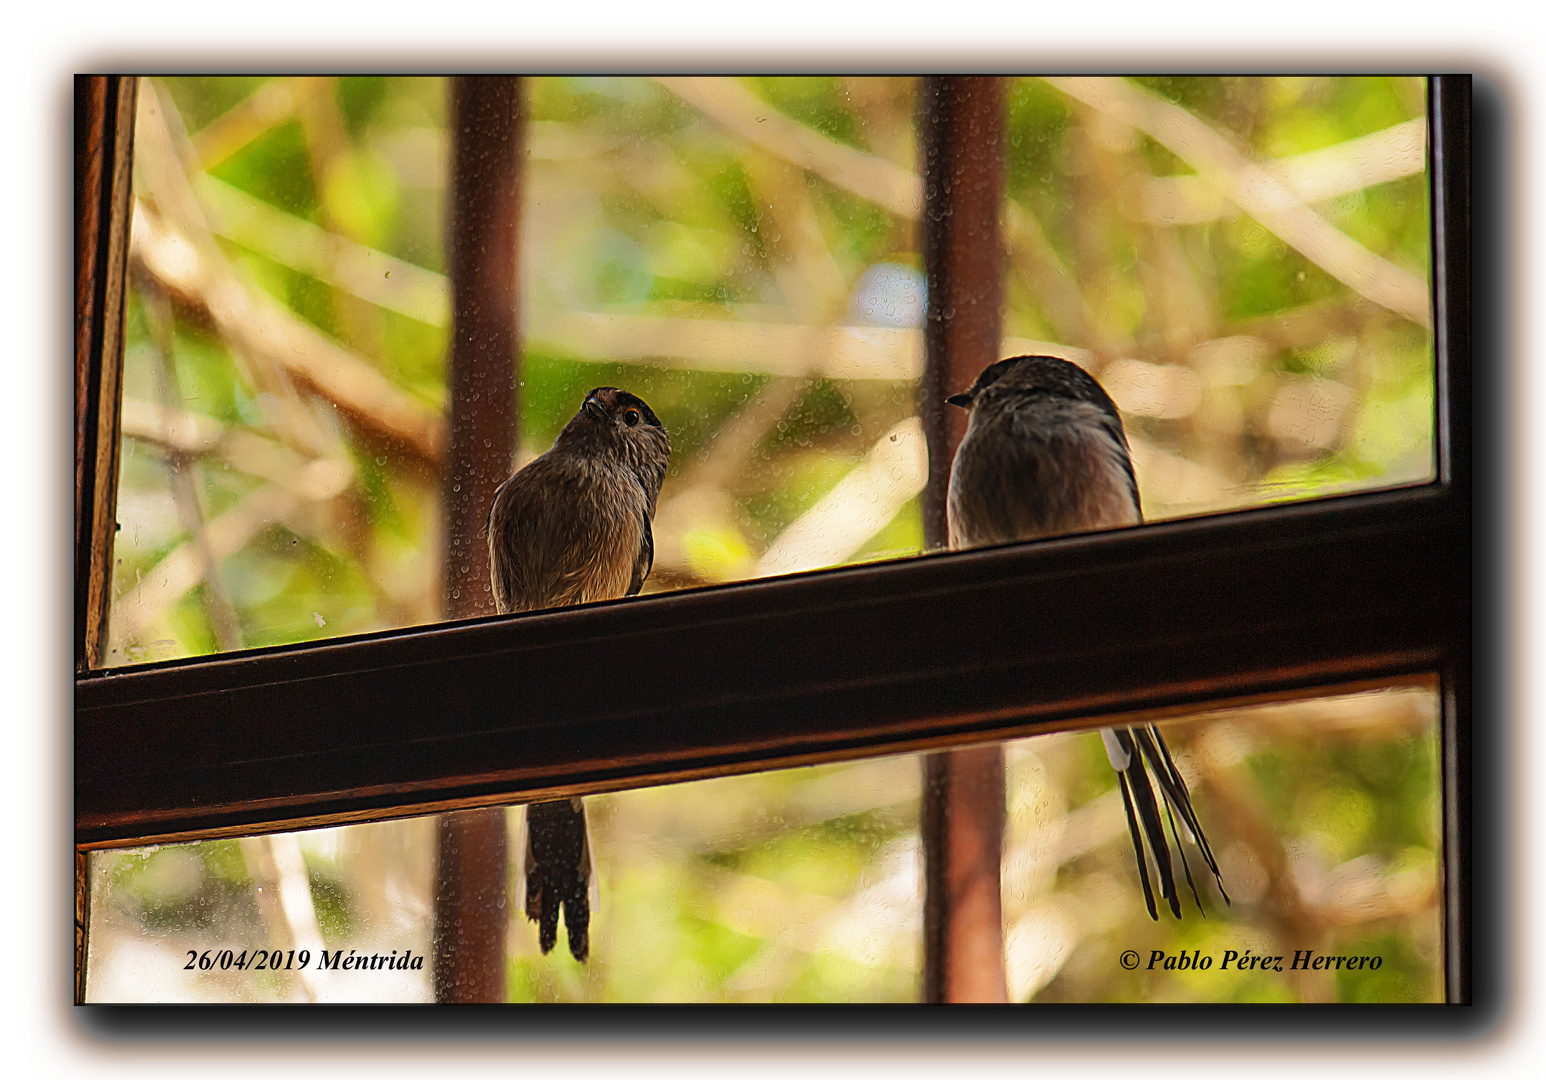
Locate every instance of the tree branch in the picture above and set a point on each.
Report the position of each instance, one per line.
(1257, 192)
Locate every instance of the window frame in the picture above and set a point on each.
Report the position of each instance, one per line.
(939, 651)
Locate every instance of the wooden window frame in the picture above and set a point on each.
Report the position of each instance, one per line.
(937, 651)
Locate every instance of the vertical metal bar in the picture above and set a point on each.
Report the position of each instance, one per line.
(962, 143)
(471, 887)
(962, 820)
(963, 845)
(485, 206)
(104, 145)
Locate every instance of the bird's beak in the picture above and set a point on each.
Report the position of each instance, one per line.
(594, 408)
(962, 400)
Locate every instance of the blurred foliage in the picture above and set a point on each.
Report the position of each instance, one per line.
(1246, 373)
(1326, 820)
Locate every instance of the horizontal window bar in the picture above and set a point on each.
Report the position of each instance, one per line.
(932, 651)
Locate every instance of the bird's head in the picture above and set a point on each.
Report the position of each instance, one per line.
(617, 422)
(1021, 376)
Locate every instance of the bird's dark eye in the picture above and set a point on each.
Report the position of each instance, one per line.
(630, 417)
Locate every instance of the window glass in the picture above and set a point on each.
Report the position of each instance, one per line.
(805, 884)
(1325, 819)
(744, 255)
(1245, 265)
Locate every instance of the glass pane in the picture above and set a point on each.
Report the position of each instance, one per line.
(1325, 820)
(806, 884)
(797, 885)
(1244, 264)
(742, 254)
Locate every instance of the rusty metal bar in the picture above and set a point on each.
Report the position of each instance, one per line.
(962, 818)
(471, 883)
(962, 146)
(482, 254)
(962, 822)
(482, 251)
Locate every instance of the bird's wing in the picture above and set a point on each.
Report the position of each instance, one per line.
(1118, 435)
(502, 552)
(553, 542)
(646, 560)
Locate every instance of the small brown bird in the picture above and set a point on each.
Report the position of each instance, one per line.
(1045, 455)
(575, 526)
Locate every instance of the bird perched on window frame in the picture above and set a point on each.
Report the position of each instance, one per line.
(1045, 454)
(574, 526)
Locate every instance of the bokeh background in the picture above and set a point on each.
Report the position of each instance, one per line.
(743, 253)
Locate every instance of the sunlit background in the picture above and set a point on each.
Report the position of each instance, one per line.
(743, 253)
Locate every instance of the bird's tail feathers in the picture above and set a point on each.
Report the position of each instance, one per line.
(556, 858)
(1129, 749)
(1141, 794)
(1177, 795)
(1132, 828)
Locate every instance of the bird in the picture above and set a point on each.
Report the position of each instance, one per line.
(573, 526)
(1045, 454)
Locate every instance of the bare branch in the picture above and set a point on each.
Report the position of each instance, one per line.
(187, 482)
(1313, 323)
(1277, 190)
(330, 258)
(874, 178)
(839, 352)
(266, 108)
(1256, 192)
(1032, 254)
(170, 240)
(800, 259)
(282, 889)
(264, 327)
(177, 431)
(171, 578)
(1395, 152)
(172, 429)
(861, 504)
(160, 589)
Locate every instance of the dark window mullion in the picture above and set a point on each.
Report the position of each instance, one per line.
(104, 142)
(104, 132)
(1450, 112)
